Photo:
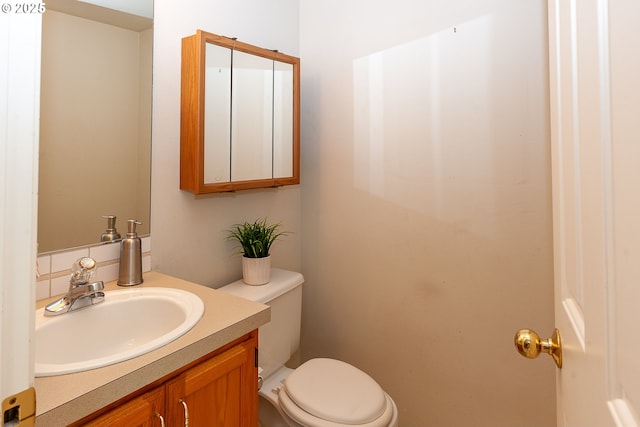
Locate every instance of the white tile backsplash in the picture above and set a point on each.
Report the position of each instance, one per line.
(54, 268)
(62, 261)
(59, 285)
(43, 289)
(146, 244)
(108, 273)
(44, 264)
(146, 262)
(105, 252)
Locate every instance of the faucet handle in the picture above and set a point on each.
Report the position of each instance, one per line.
(82, 270)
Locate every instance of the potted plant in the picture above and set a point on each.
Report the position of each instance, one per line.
(255, 240)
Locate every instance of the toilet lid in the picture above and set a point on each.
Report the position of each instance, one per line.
(337, 392)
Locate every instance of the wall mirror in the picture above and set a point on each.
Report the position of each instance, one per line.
(95, 120)
(240, 116)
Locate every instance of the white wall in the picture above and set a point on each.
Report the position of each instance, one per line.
(188, 234)
(426, 202)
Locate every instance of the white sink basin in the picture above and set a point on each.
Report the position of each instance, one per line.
(129, 323)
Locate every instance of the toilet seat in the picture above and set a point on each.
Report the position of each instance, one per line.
(329, 393)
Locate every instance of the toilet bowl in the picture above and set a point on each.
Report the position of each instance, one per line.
(321, 392)
(328, 393)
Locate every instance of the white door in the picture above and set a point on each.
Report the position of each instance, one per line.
(594, 66)
(20, 41)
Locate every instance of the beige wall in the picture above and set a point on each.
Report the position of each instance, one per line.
(188, 237)
(96, 83)
(422, 224)
(426, 202)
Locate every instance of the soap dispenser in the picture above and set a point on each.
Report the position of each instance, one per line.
(110, 234)
(130, 257)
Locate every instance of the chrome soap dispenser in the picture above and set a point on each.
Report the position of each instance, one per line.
(110, 234)
(130, 257)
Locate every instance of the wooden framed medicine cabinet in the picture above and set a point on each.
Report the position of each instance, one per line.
(239, 117)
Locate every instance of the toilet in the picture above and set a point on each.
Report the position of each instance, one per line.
(319, 393)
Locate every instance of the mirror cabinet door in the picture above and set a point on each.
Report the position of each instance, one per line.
(217, 117)
(239, 116)
(283, 114)
(252, 112)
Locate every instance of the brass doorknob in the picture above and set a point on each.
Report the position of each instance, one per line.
(530, 345)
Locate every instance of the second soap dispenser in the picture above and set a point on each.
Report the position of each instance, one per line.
(130, 257)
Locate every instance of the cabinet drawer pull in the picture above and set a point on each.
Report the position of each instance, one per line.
(161, 419)
(186, 412)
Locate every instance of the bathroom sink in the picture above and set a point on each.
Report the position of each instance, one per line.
(129, 323)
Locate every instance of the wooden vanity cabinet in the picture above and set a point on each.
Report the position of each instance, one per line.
(220, 390)
(141, 411)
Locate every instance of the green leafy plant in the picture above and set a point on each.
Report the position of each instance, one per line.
(256, 237)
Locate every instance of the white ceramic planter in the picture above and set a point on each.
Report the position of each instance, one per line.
(256, 271)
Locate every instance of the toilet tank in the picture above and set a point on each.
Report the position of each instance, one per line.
(280, 338)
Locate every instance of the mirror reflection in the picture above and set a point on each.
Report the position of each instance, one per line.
(217, 120)
(252, 122)
(95, 122)
(254, 90)
(283, 116)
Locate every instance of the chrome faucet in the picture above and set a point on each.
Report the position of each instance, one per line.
(81, 292)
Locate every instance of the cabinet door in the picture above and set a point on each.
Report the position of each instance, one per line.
(220, 392)
(142, 411)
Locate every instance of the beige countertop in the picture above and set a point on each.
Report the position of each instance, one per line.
(63, 399)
